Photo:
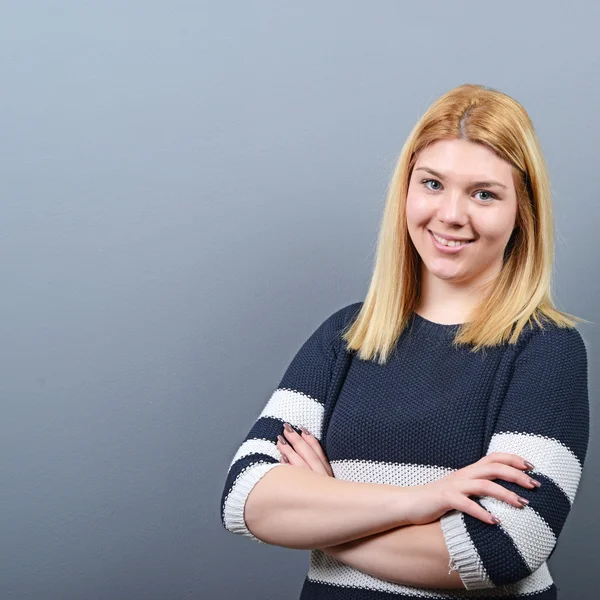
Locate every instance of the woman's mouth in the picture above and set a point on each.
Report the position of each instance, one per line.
(448, 246)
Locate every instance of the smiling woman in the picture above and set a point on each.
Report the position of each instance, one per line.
(459, 226)
(426, 464)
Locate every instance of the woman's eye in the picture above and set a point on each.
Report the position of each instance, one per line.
(491, 196)
(426, 181)
(487, 199)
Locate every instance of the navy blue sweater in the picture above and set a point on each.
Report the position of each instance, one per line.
(430, 410)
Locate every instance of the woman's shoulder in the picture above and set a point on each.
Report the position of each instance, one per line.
(337, 322)
(341, 317)
(347, 313)
(540, 340)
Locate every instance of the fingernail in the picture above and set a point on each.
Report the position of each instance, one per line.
(304, 430)
(282, 439)
(496, 520)
(529, 465)
(535, 482)
(523, 500)
(288, 427)
(284, 458)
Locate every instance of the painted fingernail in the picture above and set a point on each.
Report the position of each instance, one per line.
(288, 427)
(529, 465)
(282, 439)
(496, 520)
(304, 430)
(535, 482)
(523, 501)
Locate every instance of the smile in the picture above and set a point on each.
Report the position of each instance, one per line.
(448, 246)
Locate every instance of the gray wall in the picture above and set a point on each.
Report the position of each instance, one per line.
(188, 189)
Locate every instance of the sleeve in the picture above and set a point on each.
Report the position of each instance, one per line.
(544, 418)
(299, 400)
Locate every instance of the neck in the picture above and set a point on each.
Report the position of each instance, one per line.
(451, 301)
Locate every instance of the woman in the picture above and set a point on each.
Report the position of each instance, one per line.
(433, 436)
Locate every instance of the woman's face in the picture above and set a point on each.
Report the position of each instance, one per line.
(446, 196)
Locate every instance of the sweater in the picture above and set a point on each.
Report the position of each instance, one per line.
(430, 410)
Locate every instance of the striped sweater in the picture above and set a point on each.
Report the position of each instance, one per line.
(430, 410)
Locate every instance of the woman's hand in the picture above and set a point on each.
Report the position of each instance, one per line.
(303, 451)
(432, 500)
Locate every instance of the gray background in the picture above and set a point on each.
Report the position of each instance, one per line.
(188, 189)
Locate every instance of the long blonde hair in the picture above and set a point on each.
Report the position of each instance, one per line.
(522, 290)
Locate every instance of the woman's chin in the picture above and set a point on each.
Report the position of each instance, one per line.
(446, 272)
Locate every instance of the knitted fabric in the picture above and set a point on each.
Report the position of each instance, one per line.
(430, 410)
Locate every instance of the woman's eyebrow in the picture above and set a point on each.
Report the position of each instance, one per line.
(489, 183)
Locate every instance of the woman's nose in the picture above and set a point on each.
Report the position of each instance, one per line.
(453, 208)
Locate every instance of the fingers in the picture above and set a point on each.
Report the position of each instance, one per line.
(500, 471)
(316, 446)
(483, 487)
(299, 452)
(491, 469)
(288, 454)
(514, 460)
(466, 505)
(477, 480)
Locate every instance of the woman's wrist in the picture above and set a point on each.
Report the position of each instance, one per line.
(402, 499)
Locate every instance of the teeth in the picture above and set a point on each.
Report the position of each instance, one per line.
(450, 243)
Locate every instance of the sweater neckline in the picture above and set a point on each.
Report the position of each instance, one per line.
(421, 326)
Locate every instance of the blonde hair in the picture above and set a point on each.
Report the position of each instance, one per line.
(522, 290)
